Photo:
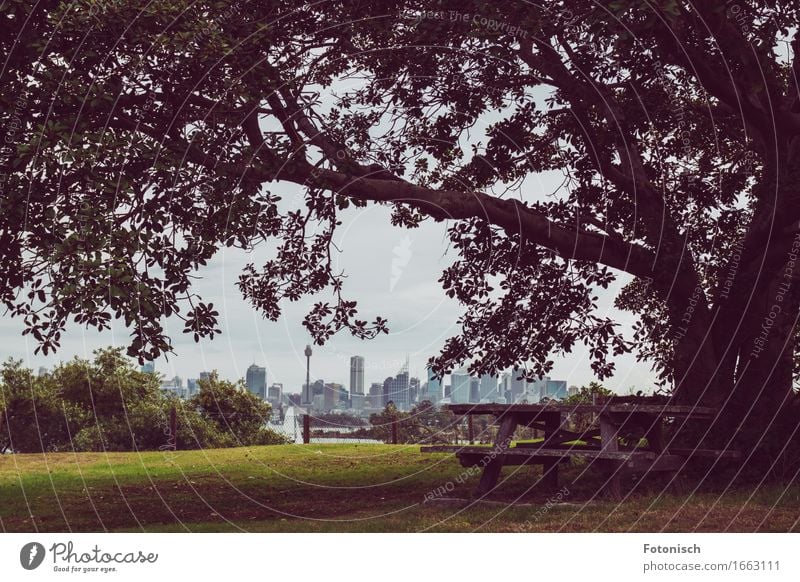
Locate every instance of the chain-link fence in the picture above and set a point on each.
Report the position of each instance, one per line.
(434, 426)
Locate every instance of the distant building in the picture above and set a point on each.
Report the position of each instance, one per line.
(275, 393)
(191, 386)
(42, 371)
(413, 390)
(256, 381)
(399, 391)
(357, 401)
(516, 386)
(474, 390)
(573, 391)
(387, 389)
(148, 367)
(461, 384)
(331, 396)
(356, 375)
(487, 390)
(174, 386)
(434, 388)
(205, 375)
(555, 389)
(295, 398)
(375, 398)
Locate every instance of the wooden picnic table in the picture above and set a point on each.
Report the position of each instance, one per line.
(631, 420)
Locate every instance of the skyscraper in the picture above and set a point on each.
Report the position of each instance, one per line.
(331, 395)
(356, 375)
(376, 395)
(413, 390)
(487, 390)
(434, 393)
(148, 367)
(556, 389)
(460, 384)
(474, 390)
(399, 389)
(516, 386)
(256, 381)
(275, 393)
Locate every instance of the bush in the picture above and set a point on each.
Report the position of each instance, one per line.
(108, 405)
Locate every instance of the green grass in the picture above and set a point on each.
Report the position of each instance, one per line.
(346, 488)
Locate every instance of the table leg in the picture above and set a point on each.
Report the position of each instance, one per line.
(655, 437)
(550, 468)
(608, 444)
(491, 472)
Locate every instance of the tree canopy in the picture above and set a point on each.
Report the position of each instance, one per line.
(141, 137)
(108, 405)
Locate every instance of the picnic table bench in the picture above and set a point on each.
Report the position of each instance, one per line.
(602, 445)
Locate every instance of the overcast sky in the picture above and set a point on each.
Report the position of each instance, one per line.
(392, 272)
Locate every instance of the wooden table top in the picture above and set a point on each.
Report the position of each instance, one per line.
(611, 408)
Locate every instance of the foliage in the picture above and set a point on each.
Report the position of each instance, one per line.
(108, 405)
(586, 395)
(237, 413)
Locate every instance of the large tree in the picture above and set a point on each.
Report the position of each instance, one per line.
(140, 137)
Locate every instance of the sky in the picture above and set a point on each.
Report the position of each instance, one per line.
(392, 272)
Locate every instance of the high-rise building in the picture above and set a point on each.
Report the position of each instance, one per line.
(356, 375)
(256, 381)
(413, 390)
(460, 385)
(573, 391)
(275, 393)
(205, 375)
(434, 391)
(331, 396)
(42, 371)
(175, 386)
(148, 367)
(516, 386)
(487, 390)
(555, 389)
(474, 390)
(191, 386)
(399, 390)
(375, 399)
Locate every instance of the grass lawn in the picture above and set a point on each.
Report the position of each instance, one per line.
(374, 488)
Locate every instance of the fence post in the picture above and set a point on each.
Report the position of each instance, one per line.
(394, 431)
(173, 428)
(306, 429)
(470, 430)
